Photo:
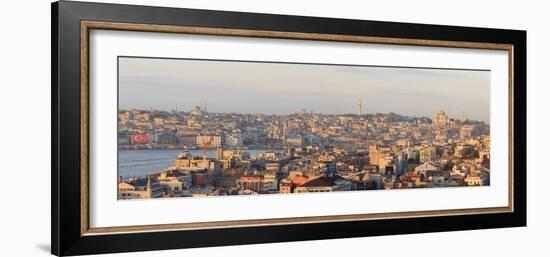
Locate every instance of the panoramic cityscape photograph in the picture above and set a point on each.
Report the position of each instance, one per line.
(201, 128)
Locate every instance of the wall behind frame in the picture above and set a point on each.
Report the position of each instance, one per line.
(25, 130)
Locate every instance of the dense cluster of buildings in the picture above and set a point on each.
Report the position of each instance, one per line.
(303, 152)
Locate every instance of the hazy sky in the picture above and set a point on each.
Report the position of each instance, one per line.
(278, 88)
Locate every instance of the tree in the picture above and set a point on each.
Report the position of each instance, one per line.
(486, 163)
(470, 153)
(448, 165)
(390, 117)
(412, 161)
(411, 167)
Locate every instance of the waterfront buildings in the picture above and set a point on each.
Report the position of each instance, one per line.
(139, 188)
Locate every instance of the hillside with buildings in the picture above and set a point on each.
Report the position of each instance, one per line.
(303, 152)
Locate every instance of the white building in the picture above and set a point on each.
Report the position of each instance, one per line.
(233, 140)
(210, 140)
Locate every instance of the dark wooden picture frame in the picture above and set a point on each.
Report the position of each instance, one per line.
(71, 22)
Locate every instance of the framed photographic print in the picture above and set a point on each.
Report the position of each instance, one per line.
(178, 128)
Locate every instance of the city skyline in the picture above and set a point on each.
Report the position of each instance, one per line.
(282, 88)
(253, 118)
(310, 112)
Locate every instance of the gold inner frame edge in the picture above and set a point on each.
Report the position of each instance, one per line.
(86, 26)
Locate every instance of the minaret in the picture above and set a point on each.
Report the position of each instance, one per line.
(285, 130)
(149, 188)
(359, 107)
(204, 149)
(219, 152)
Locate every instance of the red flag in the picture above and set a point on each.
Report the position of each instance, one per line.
(140, 138)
